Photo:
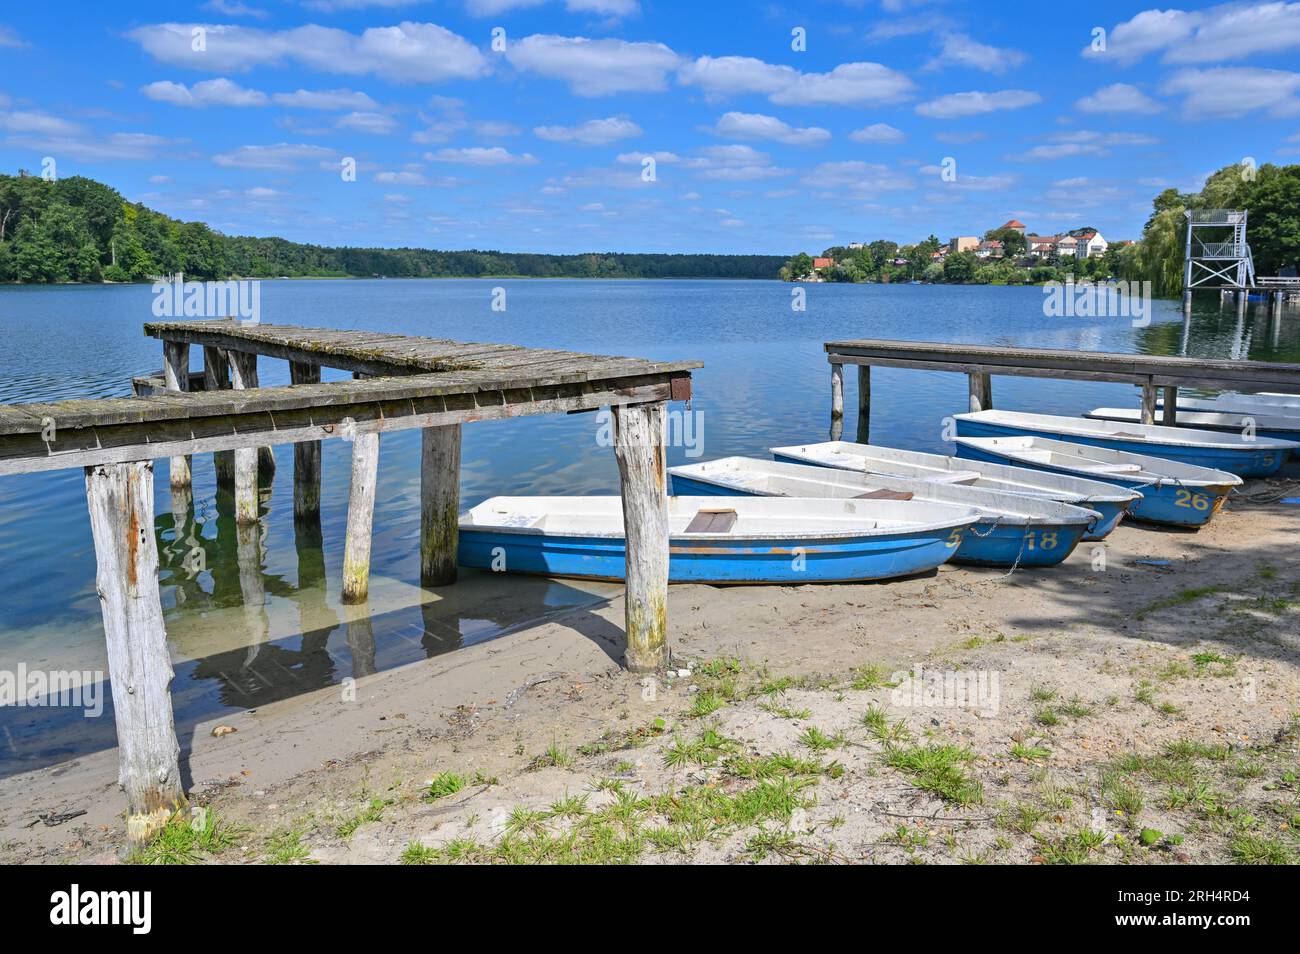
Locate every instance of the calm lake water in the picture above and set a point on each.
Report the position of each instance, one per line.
(277, 629)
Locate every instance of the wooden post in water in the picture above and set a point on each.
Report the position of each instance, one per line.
(216, 377)
(642, 471)
(120, 500)
(837, 401)
(243, 367)
(864, 404)
(176, 375)
(361, 513)
(306, 455)
(439, 504)
(981, 392)
(1148, 402)
(1170, 415)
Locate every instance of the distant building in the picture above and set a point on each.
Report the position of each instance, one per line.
(823, 262)
(964, 243)
(855, 245)
(1012, 224)
(1091, 244)
(1067, 246)
(1041, 246)
(990, 249)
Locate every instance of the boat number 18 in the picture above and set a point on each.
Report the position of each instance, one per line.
(1185, 498)
(1044, 541)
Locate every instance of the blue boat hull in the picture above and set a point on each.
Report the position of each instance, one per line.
(983, 544)
(1243, 462)
(1168, 504)
(710, 561)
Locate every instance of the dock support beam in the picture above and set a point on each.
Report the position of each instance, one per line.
(981, 392)
(1148, 403)
(439, 504)
(216, 377)
(361, 513)
(306, 454)
(642, 471)
(837, 401)
(1170, 417)
(864, 404)
(120, 501)
(176, 375)
(243, 367)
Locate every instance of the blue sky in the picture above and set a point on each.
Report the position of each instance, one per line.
(242, 113)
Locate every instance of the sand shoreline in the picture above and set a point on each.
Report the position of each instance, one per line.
(347, 781)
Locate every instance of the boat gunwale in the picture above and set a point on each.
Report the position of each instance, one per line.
(1213, 439)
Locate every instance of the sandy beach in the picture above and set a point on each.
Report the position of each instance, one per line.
(1138, 704)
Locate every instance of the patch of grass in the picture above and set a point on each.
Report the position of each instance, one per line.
(1248, 849)
(285, 847)
(781, 712)
(1121, 795)
(1046, 715)
(444, 784)
(938, 769)
(866, 677)
(1023, 817)
(555, 756)
(417, 854)
(373, 811)
(704, 750)
(706, 703)
(1075, 848)
(817, 740)
(1042, 693)
(1181, 598)
(1075, 708)
(188, 839)
(1029, 753)
(1214, 664)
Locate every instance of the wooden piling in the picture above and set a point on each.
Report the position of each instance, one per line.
(1170, 415)
(1148, 402)
(864, 404)
(306, 454)
(642, 470)
(361, 512)
(980, 387)
(216, 377)
(120, 500)
(176, 375)
(837, 401)
(439, 504)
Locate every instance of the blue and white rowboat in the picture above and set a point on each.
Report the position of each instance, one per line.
(1110, 500)
(1268, 405)
(1273, 426)
(740, 540)
(1259, 457)
(1013, 530)
(1172, 492)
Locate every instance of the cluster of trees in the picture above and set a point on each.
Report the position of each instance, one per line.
(80, 230)
(1271, 194)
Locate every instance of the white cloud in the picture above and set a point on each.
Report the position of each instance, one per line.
(214, 92)
(39, 124)
(857, 179)
(325, 99)
(1230, 91)
(282, 156)
(1118, 98)
(481, 156)
(961, 138)
(735, 125)
(1082, 142)
(406, 53)
(732, 164)
(881, 133)
(444, 130)
(594, 132)
(955, 105)
(60, 137)
(594, 67)
(233, 8)
(1230, 31)
(960, 50)
(374, 124)
(10, 39)
(731, 75)
(849, 84)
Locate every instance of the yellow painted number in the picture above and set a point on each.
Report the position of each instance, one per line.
(1185, 498)
(1046, 540)
(954, 538)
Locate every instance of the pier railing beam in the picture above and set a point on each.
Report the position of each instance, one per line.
(306, 454)
(176, 375)
(1149, 402)
(642, 471)
(216, 377)
(837, 401)
(981, 392)
(243, 368)
(361, 513)
(864, 404)
(120, 501)
(439, 504)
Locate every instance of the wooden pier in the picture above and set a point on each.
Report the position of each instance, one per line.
(1152, 373)
(400, 383)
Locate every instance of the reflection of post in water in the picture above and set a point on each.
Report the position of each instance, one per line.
(315, 617)
(361, 638)
(252, 590)
(441, 630)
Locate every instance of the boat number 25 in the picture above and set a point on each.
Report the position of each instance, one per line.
(1185, 498)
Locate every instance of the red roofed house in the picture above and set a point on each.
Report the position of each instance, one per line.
(1013, 224)
(823, 262)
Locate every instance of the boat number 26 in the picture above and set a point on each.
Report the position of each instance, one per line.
(1185, 498)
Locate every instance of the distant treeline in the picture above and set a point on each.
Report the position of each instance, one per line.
(80, 230)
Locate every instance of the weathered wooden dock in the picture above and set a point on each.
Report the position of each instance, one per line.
(400, 383)
(1152, 373)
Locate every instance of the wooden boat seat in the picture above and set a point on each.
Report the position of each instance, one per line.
(712, 521)
(883, 494)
